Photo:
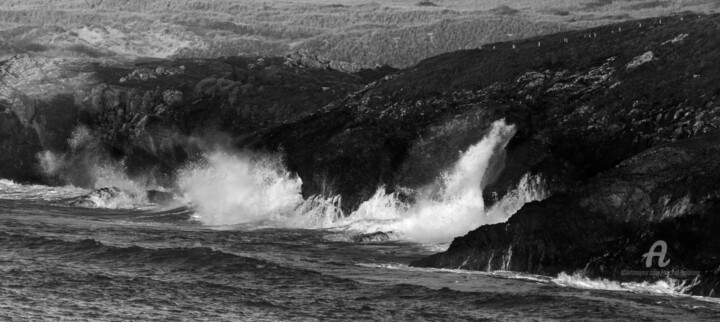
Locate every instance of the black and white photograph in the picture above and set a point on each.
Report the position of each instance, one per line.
(359, 160)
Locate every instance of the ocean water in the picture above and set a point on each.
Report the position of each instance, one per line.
(238, 243)
(64, 263)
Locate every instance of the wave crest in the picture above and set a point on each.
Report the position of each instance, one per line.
(667, 286)
(229, 189)
(450, 207)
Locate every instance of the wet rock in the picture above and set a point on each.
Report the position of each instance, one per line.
(19, 146)
(640, 60)
(376, 237)
(172, 97)
(577, 132)
(577, 123)
(100, 198)
(144, 74)
(603, 227)
(312, 60)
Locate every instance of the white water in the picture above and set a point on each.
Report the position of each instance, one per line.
(667, 286)
(257, 191)
(233, 189)
(15, 191)
(87, 165)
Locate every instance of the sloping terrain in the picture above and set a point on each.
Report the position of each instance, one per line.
(359, 33)
(580, 107)
(583, 103)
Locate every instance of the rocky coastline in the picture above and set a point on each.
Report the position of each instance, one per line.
(621, 122)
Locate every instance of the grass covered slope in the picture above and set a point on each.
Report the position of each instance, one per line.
(365, 33)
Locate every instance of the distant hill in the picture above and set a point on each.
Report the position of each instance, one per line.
(397, 33)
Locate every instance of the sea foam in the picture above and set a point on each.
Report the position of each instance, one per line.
(87, 165)
(230, 189)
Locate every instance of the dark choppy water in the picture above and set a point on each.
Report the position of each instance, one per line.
(62, 263)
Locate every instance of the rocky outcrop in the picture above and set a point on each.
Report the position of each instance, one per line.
(150, 120)
(150, 114)
(618, 125)
(38, 110)
(114, 197)
(376, 237)
(147, 73)
(583, 120)
(18, 145)
(602, 227)
(108, 197)
(577, 107)
(305, 59)
(311, 60)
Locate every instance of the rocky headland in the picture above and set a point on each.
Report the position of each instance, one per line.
(620, 122)
(148, 113)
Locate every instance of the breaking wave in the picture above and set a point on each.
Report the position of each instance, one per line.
(454, 204)
(667, 286)
(108, 198)
(87, 165)
(231, 189)
(259, 192)
(16, 191)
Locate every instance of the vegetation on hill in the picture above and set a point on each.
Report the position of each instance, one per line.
(399, 33)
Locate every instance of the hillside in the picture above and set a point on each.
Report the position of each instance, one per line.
(585, 104)
(398, 33)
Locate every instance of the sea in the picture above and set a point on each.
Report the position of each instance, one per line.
(239, 243)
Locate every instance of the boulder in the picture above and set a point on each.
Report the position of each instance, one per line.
(376, 237)
(100, 198)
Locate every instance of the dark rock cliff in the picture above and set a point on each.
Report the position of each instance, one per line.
(582, 102)
(148, 114)
(615, 119)
(603, 226)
